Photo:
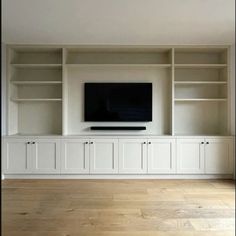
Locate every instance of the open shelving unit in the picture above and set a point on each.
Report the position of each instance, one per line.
(201, 91)
(35, 90)
(190, 87)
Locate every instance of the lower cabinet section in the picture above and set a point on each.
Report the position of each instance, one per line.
(190, 156)
(132, 156)
(45, 156)
(161, 156)
(205, 156)
(218, 156)
(83, 156)
(75, 156)
(103, 156)
(109, 155)
(17, 157)
(31, 156)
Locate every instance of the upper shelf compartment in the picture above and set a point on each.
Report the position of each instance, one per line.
(119, 56)
(201, 56)
(21, 56)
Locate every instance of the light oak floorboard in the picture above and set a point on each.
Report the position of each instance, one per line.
(118, 208)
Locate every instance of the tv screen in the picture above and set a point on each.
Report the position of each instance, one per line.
(118, 102)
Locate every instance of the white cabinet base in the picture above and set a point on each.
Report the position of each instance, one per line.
(75, 156)
(161, 156)
(103, 156)
(115, 176)
(118, 157)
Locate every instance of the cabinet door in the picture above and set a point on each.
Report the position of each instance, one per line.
(218, 156)
(161, 156)
(75, 156)
(133, 156)
(45, 156)
(103, 156)
(17, 156)
(190, 156)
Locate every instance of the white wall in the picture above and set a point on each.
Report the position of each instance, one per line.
(3, 92)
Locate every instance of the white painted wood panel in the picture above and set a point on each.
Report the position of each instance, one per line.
(161, 156)
(190, 156)
(103, 156)
(16, 156)
(218, 156)
(46, 156)
(133, 156)
(75, 156)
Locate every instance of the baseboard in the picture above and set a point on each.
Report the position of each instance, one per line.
(24, 176)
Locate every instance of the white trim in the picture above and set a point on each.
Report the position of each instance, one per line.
(135, 176)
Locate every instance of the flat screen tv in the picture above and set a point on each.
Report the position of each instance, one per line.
(125, 102)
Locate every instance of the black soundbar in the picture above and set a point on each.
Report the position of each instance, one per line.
(118, 128)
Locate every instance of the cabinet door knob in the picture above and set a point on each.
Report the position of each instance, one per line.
(207, 142)
(149, 143)
(202, 142)
(86, 142)
(28, 142)
(144, 142)
(91, 142)
(33, 143)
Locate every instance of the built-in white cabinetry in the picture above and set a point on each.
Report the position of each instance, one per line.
(22, 156)
(204, 155)
(161, 156)
(190, 156)
(103, 156)
(81, 156)
(133, 156)
(75, 156)
(190, 128)
(16, 156)
(45, 156)
(218, 156)
(110, 155)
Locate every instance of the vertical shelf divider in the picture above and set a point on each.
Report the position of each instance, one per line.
(64, 92)
(172, 91)
(228, 90)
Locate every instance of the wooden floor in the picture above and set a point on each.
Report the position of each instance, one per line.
(118, 207)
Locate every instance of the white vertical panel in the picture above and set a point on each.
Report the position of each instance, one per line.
(104, 155)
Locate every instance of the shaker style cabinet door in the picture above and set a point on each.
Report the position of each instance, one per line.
(219, 156)
(75, 156)
(103, 156)
(190, 156)
(133, 156)
(161, 156)
(16, 156)
(45, 156)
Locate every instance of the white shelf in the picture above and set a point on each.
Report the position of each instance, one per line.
(42, 66)
(200, 65)
(35, 82)
(200, 82)
(36, 99)
(121, 65)
(200, 99)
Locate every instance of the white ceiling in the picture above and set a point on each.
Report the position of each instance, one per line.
(118, 21)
